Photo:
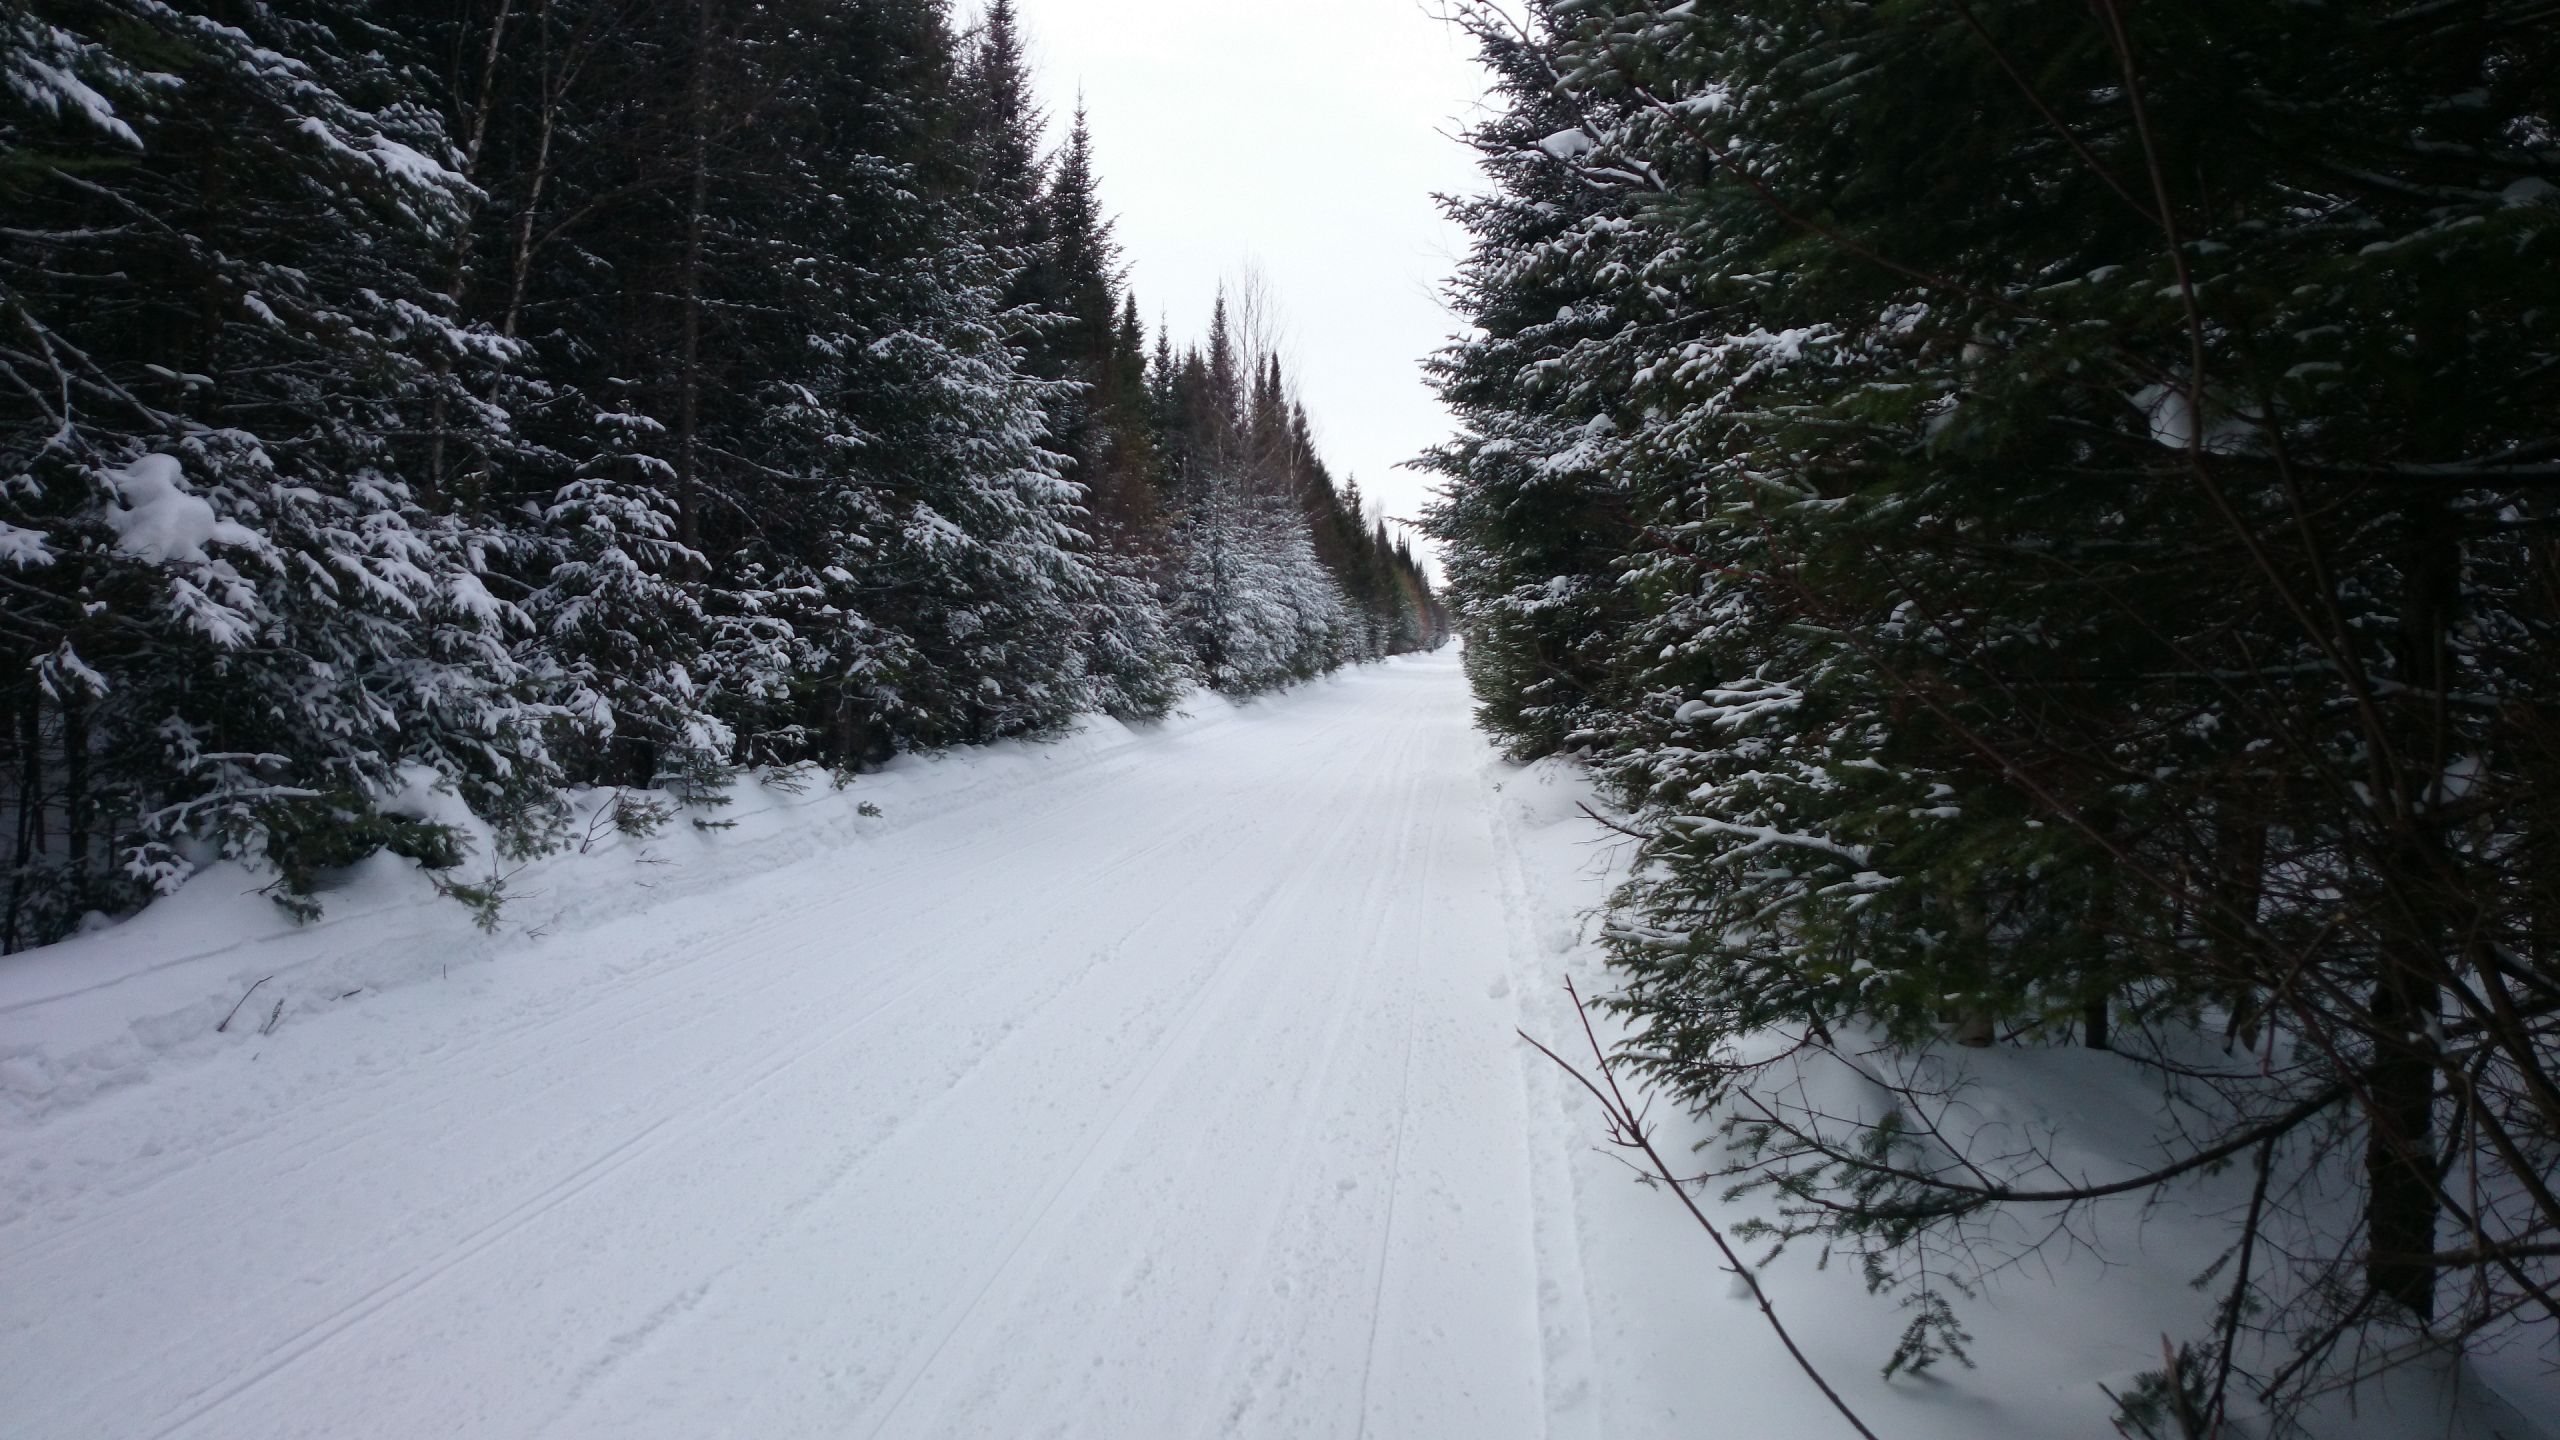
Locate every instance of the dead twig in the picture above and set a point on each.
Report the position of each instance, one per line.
(236, 1004)
(1605, 821)
(1627, 1130)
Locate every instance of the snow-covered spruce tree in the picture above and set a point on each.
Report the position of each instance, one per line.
(1379, 614)
(1254, 604)
(1099, 421)
(804, 512)
(232, 615)
(824, 435)
(1419, 621)
(2097, 603)
(576, 119)
(1067, 315)
(1000, 127)
(1534, 518)
(1395, 609)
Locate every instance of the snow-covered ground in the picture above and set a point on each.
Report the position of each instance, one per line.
(1144, 1084)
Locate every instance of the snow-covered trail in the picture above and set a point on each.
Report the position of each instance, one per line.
(1167, 1094)
(1144, 1086)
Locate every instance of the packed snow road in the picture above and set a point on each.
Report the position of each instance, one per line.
(1168, 1092)
(1141, 1086)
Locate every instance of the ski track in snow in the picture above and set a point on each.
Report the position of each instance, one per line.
(1167, 1092)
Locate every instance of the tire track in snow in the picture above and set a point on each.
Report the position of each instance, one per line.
(1395, 1170)
(1070, 784)
(1076, 882)
(907, 1122)
(1191, 1031)
(1089, 1109)
(632, 999)
(1573, 1401)
(1290, 1025)
(390, 1290)
(1381, 883)
(649, 1139)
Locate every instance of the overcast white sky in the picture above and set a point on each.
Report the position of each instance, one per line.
(1302, 137)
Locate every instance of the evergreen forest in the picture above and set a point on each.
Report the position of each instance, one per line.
(2043, 516)
(515, 397)
(2005, 728)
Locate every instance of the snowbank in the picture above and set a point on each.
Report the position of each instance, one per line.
(1657, 1341)
(209, 967)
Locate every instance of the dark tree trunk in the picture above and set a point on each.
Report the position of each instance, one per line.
(2400, 1159)
(689, 346)
(520, 268)
(437, 485)
(2240, 863)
